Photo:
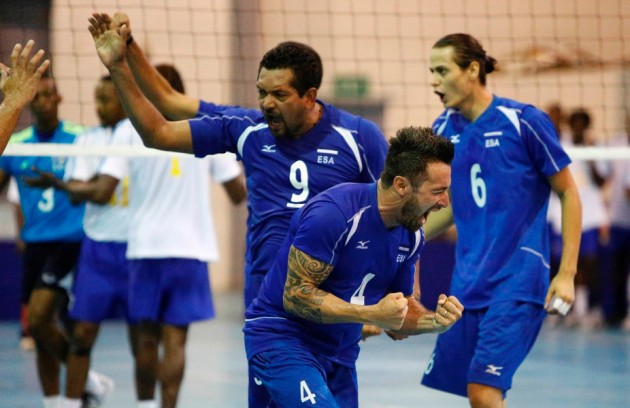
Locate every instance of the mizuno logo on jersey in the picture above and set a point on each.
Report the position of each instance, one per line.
(269, 148)
(362, 244)
(494, 370)
(454, 139)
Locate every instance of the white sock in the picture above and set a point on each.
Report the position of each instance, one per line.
(93, 384)
(147, 404)
(52, 401)
(72, 403)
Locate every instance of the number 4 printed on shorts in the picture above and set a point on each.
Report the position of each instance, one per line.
(305, 393)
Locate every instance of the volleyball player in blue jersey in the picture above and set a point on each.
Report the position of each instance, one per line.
(349, 259)
(294, 147)
(507, 160)
(52, 233)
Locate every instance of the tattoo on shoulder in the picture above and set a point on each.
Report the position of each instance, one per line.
(302, 295)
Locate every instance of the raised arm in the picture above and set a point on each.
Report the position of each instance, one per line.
(18, 84)
(302, 297)
(171, 103)
(562, 284)
(155, 130)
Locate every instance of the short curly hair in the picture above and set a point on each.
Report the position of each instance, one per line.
(301, 59)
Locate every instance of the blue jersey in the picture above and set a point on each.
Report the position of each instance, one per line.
(282, 174)
(48, 213)
(343, 228)
(500, 196)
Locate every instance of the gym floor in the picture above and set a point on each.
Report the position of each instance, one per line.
(567, 368)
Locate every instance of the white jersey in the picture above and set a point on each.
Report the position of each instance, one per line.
(109, 222)
(594, 214)
(170, 203)
(619, 173)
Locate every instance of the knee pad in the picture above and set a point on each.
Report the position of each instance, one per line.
(78, 349)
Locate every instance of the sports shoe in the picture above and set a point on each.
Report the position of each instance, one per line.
(97, 388)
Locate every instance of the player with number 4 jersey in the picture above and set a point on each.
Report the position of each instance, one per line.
(349, 259)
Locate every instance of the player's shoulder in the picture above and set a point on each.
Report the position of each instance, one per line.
(92, 131)
(348, 198)
(343, 119)
(520, 109)
(449, 117)
(72, 128)
(23, 136)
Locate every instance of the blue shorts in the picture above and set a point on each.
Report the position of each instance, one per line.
(589, 243)
(174, 291)
(101, 286)
(485, 347)
(294, 377)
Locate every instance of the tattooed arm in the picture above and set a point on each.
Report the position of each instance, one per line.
(302, 297)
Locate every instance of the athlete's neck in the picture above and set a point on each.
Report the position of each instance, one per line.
(389, 204)
(480, 101)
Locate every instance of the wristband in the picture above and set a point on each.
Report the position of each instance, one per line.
(129, 40)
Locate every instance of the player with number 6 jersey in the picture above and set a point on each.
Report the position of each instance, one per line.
(507, 161)
(517, 142)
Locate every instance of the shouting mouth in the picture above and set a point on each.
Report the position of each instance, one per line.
(442, 96)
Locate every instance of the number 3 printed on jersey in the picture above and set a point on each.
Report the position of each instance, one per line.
(47, 202)
(298, 176)
(477, 185)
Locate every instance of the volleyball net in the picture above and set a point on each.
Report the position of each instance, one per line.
(569, 53)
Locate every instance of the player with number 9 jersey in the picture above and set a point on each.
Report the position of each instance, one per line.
(283, 173)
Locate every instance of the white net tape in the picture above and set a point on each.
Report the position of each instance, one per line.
(54, 149)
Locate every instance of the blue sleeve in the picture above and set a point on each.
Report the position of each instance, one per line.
(211, 109)
(542, 142)
(320, 239)
(210, 135)
(374, 150)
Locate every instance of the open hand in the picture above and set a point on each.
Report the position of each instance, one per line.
(110, 44)
(20, 81)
